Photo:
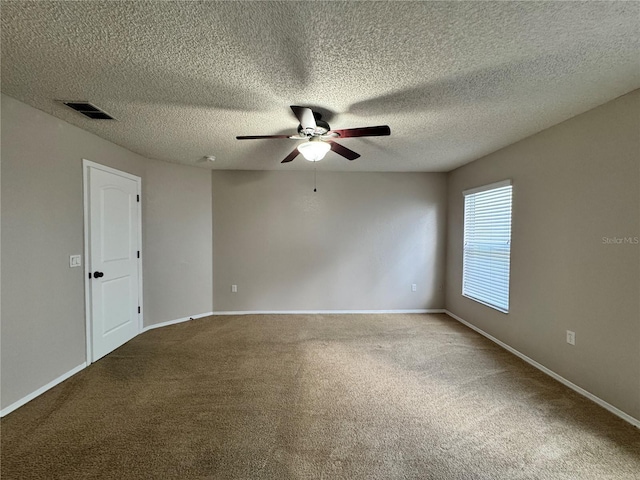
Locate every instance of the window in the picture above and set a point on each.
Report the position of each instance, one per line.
(487, 244)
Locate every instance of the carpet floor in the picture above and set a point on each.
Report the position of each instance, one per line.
(315, 397)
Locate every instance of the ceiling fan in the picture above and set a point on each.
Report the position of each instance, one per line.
(319, 136)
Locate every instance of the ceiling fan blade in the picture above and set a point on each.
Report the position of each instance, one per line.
(305, 117)
(344, 151)
(255, 137)
(379, 131)
(291, 156)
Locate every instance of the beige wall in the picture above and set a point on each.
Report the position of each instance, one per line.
(178, 238)
(357, 244)
(573, 184)
(43, 325)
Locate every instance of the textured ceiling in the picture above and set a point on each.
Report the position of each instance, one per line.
(453, 80)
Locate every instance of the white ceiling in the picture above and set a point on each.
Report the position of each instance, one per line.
(453, 80)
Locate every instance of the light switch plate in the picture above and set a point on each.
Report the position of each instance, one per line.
(75, 261)
(571, 337)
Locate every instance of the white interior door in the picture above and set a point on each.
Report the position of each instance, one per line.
(113, 258)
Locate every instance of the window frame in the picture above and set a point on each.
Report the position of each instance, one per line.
(465, 194)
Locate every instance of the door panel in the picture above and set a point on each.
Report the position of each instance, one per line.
(116, 224)
(113, 242)
(116, 304)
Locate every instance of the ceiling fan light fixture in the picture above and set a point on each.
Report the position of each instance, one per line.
(314, 150)
(320, 137)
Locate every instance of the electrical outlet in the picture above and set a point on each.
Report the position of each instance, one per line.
(414, 287)
(234, 288)
(571, 337)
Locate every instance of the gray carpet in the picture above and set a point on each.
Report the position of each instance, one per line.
(315, 397)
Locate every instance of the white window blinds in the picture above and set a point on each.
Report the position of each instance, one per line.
(487, 245)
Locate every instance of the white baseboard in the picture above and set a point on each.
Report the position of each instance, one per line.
(616, 411)
(173, 322)
(324, 312)
(41, 390)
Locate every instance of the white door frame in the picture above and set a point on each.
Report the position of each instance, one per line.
(86, 165)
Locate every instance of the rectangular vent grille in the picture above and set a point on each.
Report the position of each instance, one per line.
(88, 110)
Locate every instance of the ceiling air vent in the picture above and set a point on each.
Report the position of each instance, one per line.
(88, 110)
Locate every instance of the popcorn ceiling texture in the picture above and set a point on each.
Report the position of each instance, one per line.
(454, 80)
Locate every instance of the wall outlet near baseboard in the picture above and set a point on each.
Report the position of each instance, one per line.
(414, 287)
(571, 337)
(234, 288)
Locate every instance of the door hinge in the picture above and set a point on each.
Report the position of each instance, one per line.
(138, 309)
(138, 198)
(138, 253)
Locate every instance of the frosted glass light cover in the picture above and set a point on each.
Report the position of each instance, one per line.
(314, 151)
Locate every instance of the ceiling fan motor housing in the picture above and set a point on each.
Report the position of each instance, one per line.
(321, 128)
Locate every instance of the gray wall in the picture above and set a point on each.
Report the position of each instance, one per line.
(357, 244)
(178, 238)
(43, 325)
(573, 184)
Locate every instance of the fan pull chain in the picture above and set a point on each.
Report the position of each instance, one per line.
(314, 177)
